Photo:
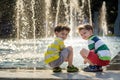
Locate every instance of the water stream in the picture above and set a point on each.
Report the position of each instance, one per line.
(35, 20)
(21, 54)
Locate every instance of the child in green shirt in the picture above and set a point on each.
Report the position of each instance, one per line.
(98, 54)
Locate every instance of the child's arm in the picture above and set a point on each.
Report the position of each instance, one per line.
(85, 61)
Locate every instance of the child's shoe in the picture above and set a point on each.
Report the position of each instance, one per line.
(93, 68)
(57, 69)
(99, 68)
(72, 69)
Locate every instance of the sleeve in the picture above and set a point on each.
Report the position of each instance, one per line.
(61, 43)
(91, 44)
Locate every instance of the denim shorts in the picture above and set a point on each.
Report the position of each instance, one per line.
(63, 55)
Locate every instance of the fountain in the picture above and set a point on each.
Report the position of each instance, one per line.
(35, 20)
(103, 22)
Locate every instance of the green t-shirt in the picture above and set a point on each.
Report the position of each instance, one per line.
(100, 48)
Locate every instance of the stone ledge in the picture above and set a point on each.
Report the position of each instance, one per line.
(115, 63)
(49, 75)
(113, 67)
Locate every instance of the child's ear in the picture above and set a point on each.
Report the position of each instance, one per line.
(91, 31)
(56, 32)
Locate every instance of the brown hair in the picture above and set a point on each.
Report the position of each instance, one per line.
(85, 26)
(60, 28)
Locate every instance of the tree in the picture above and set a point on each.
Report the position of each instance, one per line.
(117, 22)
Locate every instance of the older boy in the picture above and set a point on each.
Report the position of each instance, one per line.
(57, 53)
(98, 54)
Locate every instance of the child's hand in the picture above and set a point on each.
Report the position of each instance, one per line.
(85, 61)
(92, 50)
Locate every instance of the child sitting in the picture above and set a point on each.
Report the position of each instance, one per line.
(98, 54)
(57, 53)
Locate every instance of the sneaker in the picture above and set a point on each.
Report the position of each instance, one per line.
(100, 68)
(57, 69)
(72, 69)
(93, 69)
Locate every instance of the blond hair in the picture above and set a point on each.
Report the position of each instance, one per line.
(85, 26)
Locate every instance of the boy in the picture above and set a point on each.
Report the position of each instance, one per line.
(98, 54)
(57, 53)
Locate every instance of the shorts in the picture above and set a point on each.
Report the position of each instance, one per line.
(93, 57)
(63, 55)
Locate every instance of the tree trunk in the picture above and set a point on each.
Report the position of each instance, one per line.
(117, 22)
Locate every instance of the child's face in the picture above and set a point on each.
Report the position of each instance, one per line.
(85, 34)
(63, 34)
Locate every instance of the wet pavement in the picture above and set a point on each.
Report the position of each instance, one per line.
(111, 72)
(23, 74)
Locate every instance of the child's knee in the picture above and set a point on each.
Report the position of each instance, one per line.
(70, 48)
(83, 51)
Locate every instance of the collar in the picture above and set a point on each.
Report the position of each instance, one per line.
(91, 37)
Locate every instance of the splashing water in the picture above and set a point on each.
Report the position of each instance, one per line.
(36, 18)
(14, 54)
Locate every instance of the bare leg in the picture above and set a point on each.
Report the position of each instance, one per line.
(70, 56)
(84, 53)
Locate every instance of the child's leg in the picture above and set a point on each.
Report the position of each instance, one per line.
(70, 56)
(71, 67)
(84, 53)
